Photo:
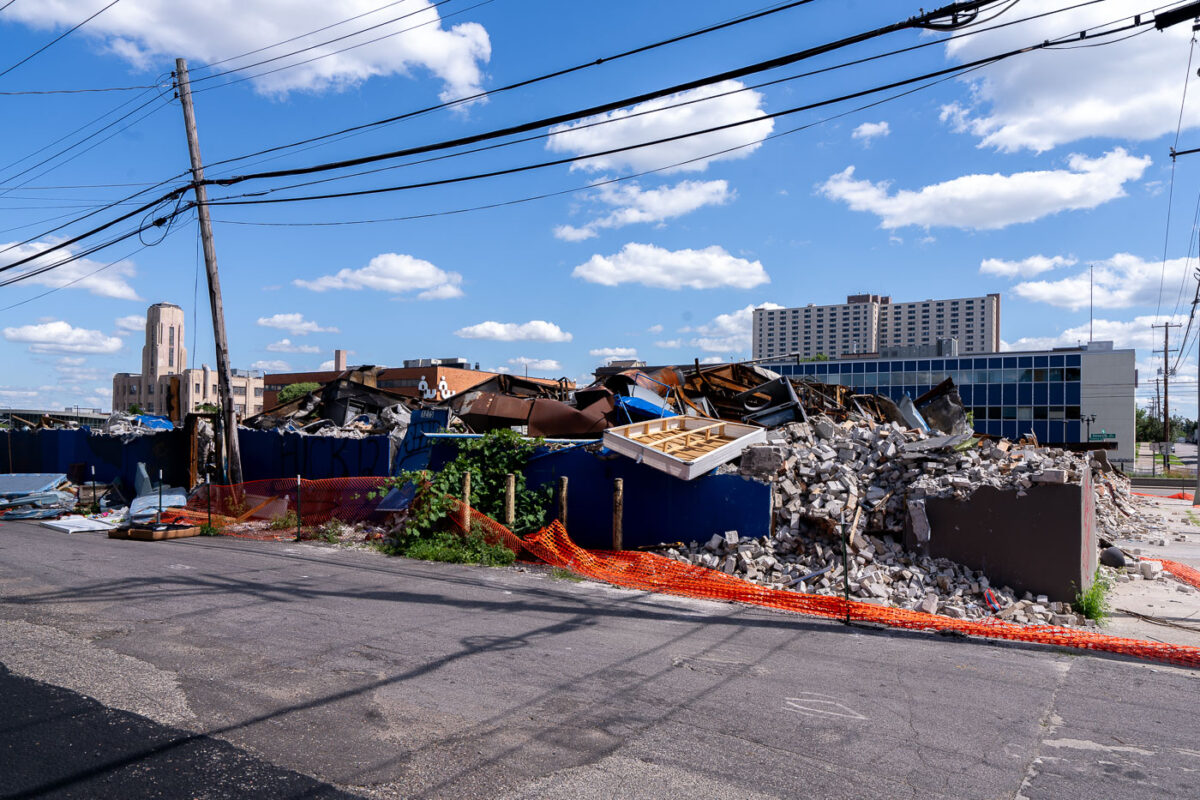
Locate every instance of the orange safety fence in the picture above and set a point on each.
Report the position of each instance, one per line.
(236, 509)
(656, 573)
(1176, 496)
(349, 500)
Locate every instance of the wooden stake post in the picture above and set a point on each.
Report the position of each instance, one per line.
(618, 532)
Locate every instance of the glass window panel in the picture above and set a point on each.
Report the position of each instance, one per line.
(1055, 374)
(1024, 412)
(1039, 412)
(1039, 376)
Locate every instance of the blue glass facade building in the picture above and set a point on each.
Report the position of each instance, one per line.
(1009, 394)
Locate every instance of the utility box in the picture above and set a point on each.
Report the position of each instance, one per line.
(1043, 542)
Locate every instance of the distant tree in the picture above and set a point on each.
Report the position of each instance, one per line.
(208, 408)
(293, 390)
(135, 409)
(817, 357)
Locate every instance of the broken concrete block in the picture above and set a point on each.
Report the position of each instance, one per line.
(1150, 570)
(1051, 476)
(762, 461)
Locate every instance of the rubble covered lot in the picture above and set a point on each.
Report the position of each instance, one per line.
(873, 476)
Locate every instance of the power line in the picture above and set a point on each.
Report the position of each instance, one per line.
(610, 151)
(949, 71)
(595, 184)
(559, 73)
(432, 7)
(545, 122)
(77, 91)
(357, 130)
(1171, 190)
(57, 39)
(301, 36)
(6, 5)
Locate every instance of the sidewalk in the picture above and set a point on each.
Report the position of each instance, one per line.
(1178, 539)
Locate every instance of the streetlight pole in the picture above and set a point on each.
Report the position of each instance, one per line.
(1089, 419)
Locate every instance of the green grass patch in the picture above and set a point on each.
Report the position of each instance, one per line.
(209, 530)
(1192, 518)
(560, 574)
(452, 548)
(1093, 603)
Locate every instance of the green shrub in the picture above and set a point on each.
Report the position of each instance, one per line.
(1093, 603)
(489, 459)
(293, 390)
(209, 530)
(284, 522)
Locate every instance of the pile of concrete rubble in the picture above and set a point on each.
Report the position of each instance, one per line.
(873, 476)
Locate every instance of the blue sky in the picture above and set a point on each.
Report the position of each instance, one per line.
(1012, 179)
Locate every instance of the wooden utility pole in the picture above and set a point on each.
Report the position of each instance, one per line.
(1166, 399)
(224, 375)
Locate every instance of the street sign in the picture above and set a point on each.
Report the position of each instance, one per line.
(1100, 437)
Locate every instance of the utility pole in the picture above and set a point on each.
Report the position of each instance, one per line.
(1166, 382)
(224, 376)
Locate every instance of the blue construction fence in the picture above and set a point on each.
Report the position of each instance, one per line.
(265, 454)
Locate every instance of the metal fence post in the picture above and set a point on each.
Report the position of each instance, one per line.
(845, 565)
(208, 484)
(158, 520)
(299, 511)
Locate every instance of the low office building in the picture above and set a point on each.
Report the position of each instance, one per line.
(1064, 396)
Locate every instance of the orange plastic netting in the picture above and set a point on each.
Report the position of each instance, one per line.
(350, 500)
(240, 510)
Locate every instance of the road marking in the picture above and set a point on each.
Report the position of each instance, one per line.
(812, 704)
(179, 566)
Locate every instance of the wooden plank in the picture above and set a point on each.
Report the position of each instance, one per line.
(657, 444)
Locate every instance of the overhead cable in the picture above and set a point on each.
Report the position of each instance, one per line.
(57, 39)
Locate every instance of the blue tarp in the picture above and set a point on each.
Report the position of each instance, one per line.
(155, 422)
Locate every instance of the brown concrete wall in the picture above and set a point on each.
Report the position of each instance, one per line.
(1044, 542)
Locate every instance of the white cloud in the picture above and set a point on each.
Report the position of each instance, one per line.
(870, 130)
(542, 364)
(613, 352)
(1026, 267)
(634, 204)
(1124, 334)
(1039, 100)
(670, 344)
(13, 393)
(59, 337)
(325, 366)
(271, 366)
(130, 324)
(293, 323)
(654, 266)
(533, 331)
(395, 273)
(727, 333)
(712, 360)
(988, 202)
(655, 329)
(149, 33)
(286, 346)
(1122, 281)
(110, 281)
(75, 369)
(622, 128)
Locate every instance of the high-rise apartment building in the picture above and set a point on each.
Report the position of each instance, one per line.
(166, 386)
(869, 323)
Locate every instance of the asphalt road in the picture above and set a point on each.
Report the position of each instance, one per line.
(314, 671)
